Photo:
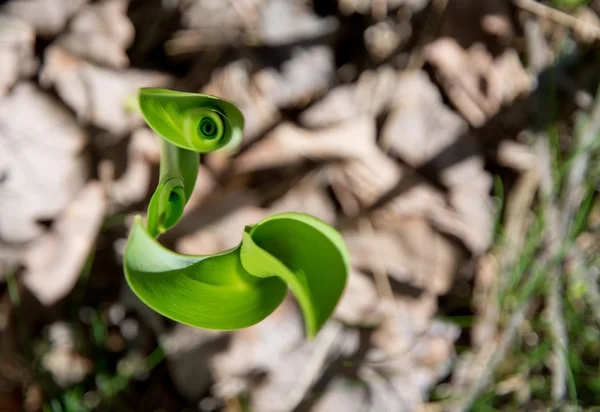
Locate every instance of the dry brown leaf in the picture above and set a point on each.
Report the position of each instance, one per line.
(98, 95)
(228, 20)
(476, 83)
(342, 395)
(306, 75)
(426, 201)
(428, 343)
(365, 180)
(133, 185)
(188, 351)
(224, 232)
(277, 347)
(368, 96)
(423, 132)
(289, 144)
(48, 17)
(17, 41)
(360, 303)
(233, 82)
(285, 21)
(515, 155)
(361, 183)
(306, 197)
(409, 356)
(259, 347)
(100, 33)
(413, 254)
(420, 126)
(40, 144)
(55, 260)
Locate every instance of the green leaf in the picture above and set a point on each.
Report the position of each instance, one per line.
(212, 292)
(242, 286)
(238, 287)
(196, 122)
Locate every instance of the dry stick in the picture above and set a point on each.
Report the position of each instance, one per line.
(311, 372)
(554, 236)
(557, 16)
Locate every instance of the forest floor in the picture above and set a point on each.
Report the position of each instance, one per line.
(454, 144)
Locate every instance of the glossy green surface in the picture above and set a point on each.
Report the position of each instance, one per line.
(242, 286)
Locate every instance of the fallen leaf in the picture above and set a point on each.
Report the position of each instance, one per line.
(99, 96)
(343, 394)
(288, 144)
(55, 260)
(284, 21)
(188, 352)
(412, 253)
(228, 21)
(133, 185)
(16, 51)
(360, 304)
(420, 126)
(100, 33)
(515, 155)
(276, 348)
(423, 132)
(477, 83)
(48, 17)
(40, 144)
(369, 95)
(306, 75)
(402, 382)
(306, 197)
(257, 348)
(222, 233)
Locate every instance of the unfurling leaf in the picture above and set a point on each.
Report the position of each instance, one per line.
(239, 287)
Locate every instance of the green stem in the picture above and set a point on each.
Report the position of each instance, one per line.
(178, 174)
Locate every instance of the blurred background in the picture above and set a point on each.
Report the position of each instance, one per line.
(453, 143)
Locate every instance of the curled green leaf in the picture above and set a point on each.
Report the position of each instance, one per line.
(238, 287)
(192, 121)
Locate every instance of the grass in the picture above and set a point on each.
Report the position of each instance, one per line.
(528, 280)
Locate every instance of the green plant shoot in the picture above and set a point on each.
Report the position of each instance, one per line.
(239, 287)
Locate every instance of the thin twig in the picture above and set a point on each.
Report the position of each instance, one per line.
(311, 372)
(554, 237)
(557, 16)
